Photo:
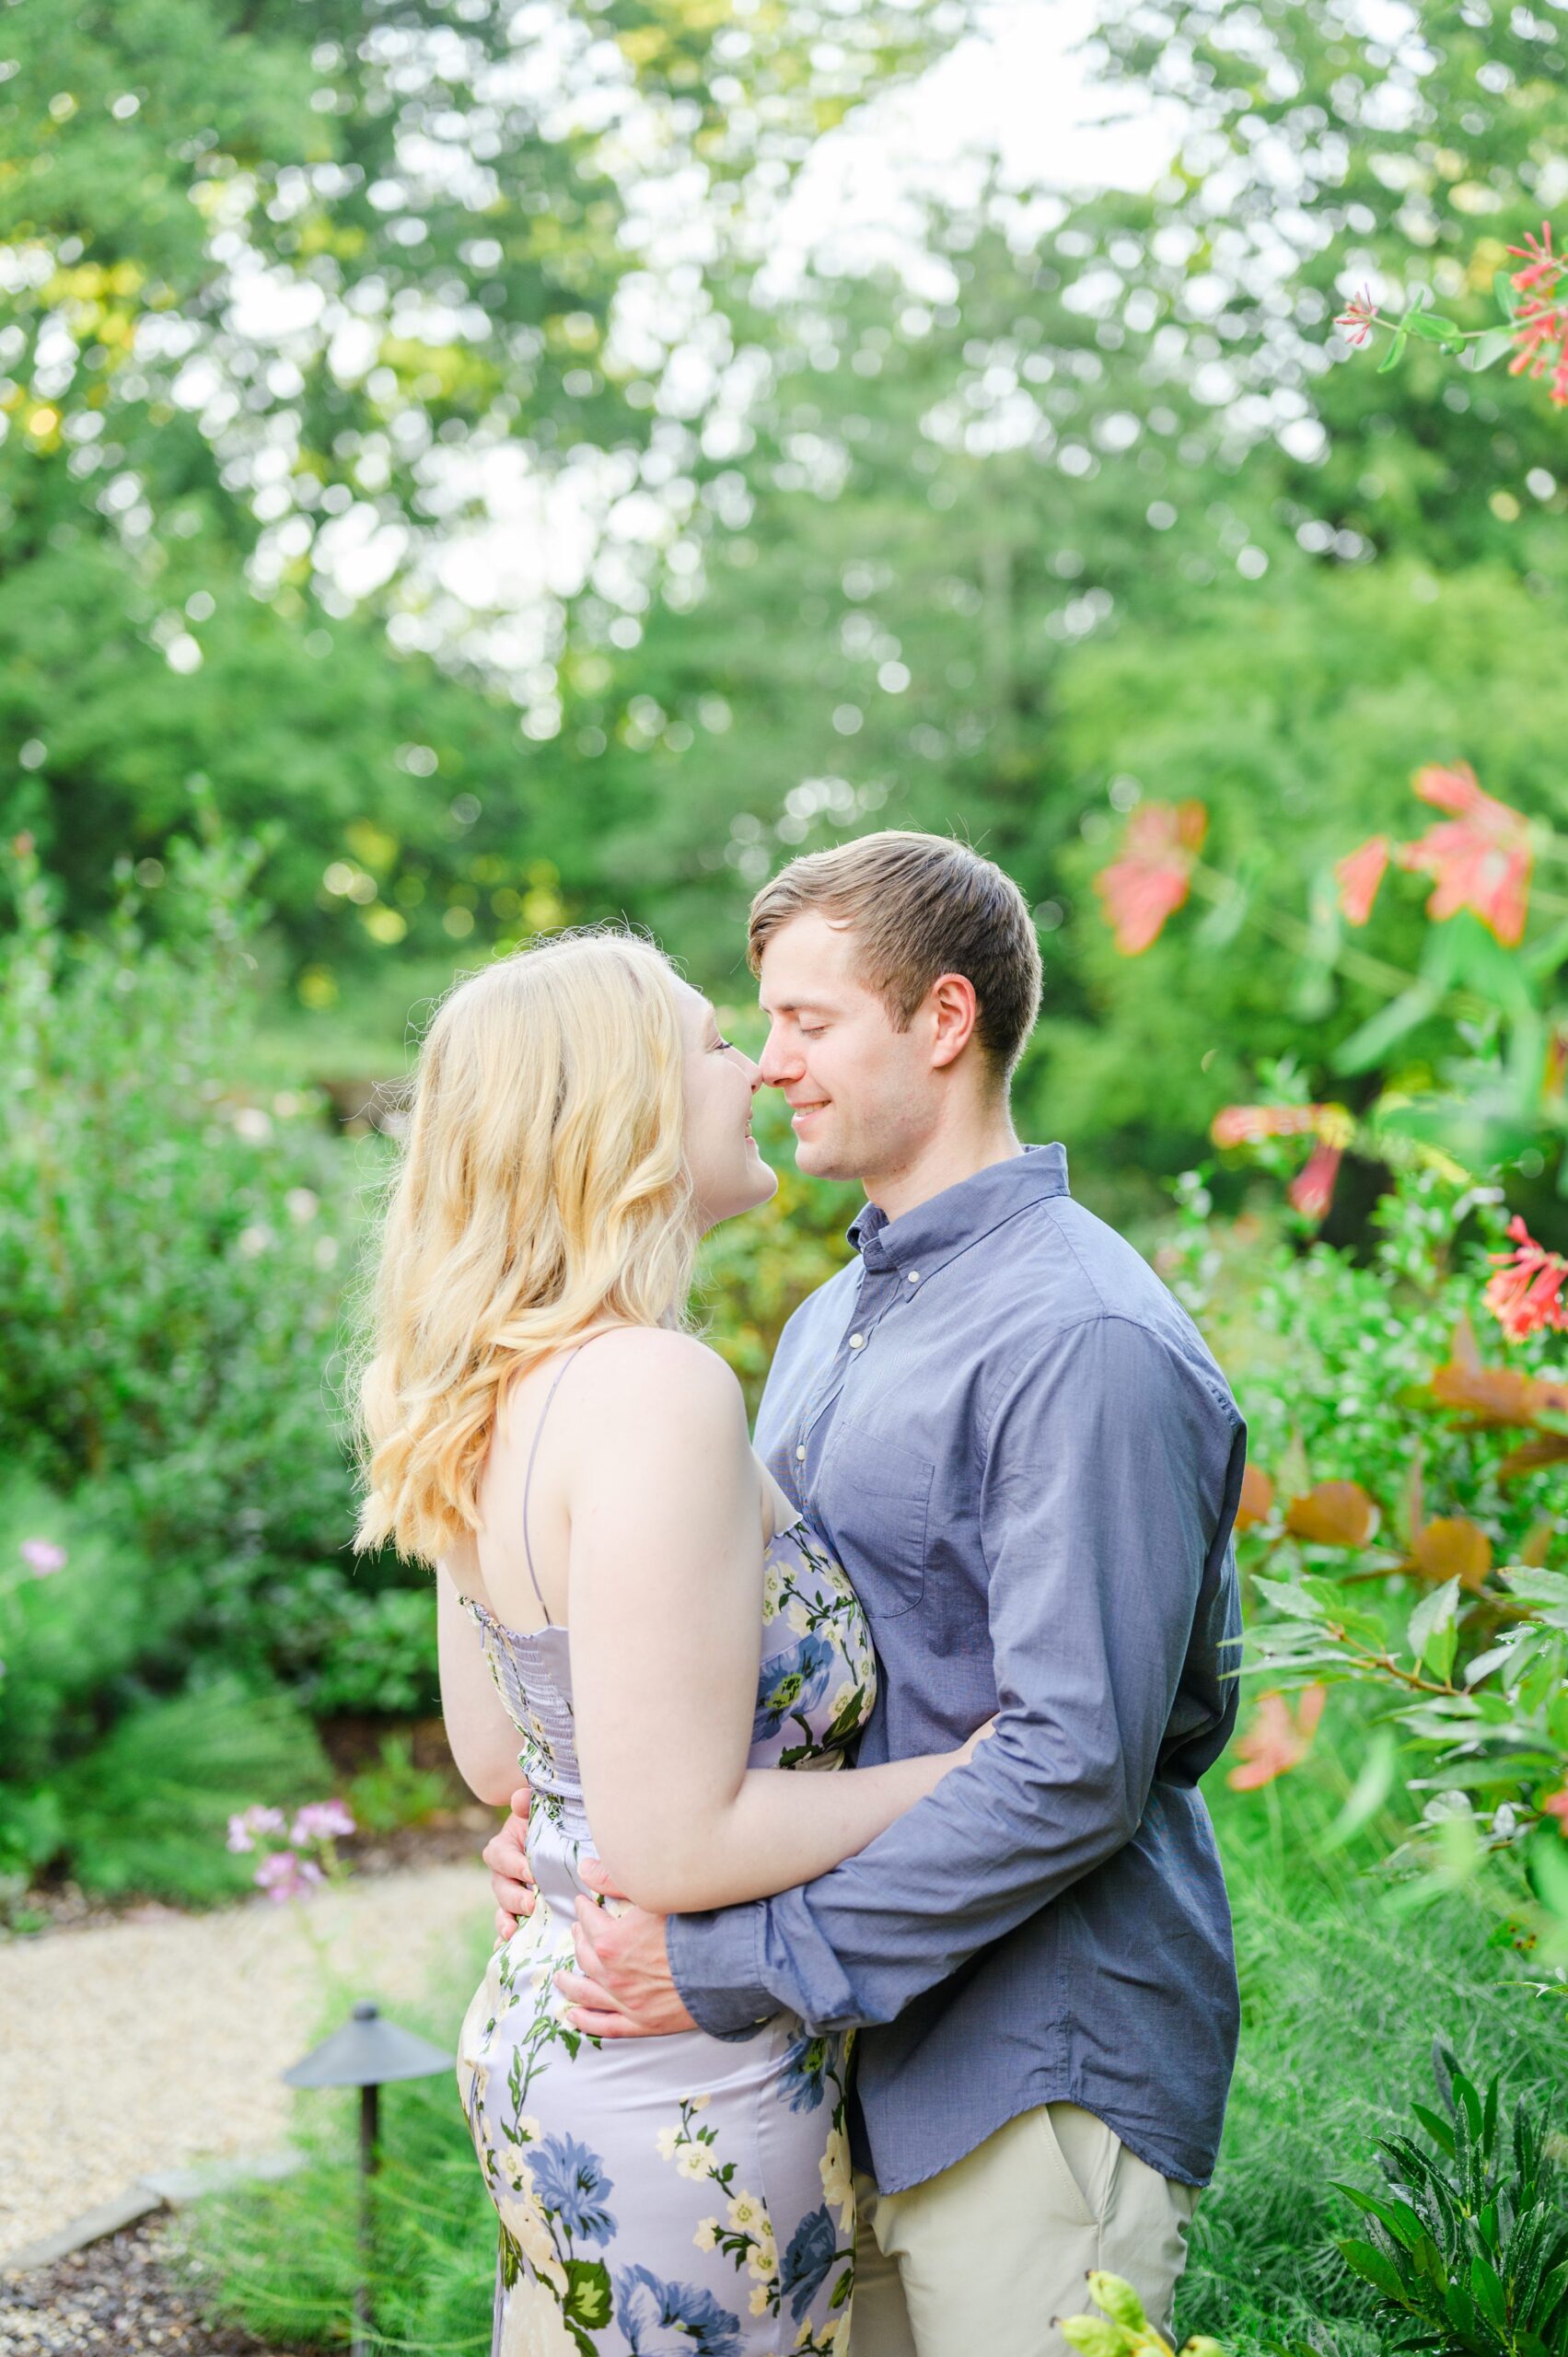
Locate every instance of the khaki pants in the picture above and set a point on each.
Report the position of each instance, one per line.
(983, 2256)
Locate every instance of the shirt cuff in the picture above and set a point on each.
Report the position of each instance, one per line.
(714, 1963)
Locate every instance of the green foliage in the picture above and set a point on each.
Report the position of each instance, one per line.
(394, 1792)
(1468, 2247)
(146, 1810)
(1340, 1988)
(69, 1640)
(1394, 1540)
(171, 1255)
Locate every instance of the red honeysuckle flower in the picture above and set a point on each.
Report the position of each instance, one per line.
(1542, 267)
(1482, 861)
(1541, 340)
(1526, 1295)
(1275, 1741)
(1556, 1805)
(1150, 879)
(1357, 317)
(1358, 875)
(1249, 1125)
(1311, 1191)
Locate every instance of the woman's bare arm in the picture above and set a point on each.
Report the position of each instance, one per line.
(666, 1610)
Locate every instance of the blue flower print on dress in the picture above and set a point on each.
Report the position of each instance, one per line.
(663, 2319)
(791, 1683)
(812, 2249)
(801, 2072)
(570, 2185)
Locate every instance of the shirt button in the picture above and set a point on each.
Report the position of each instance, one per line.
(800, 1452)
(857, 1342)
(915, 1276)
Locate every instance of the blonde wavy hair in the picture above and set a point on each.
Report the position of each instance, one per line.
(541, 1195)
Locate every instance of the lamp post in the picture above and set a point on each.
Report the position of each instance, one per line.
(367, 2053)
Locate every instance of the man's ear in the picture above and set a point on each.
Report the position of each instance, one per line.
(954, 1013)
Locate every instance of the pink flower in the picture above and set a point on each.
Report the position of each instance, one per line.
(1542, 267)
(1312, 1190)
(1150, 880)
(1556, 1805)
(284, 1875)
(1276, 1742)
(41, 1557)
(1526, 1295)
(1358, 875)
(320, 1821)
(1482, 861)
(243, 1828)
(1357, 317)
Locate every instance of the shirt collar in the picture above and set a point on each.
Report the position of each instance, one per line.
(921, 1239)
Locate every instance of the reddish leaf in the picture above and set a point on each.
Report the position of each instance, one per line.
(1332, 1514)
(1538, 1546)
(1452, 1549)
(1530, 1456)
(1488, 1395)
(1256, 1498)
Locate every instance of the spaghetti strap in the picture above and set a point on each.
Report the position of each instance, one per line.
(527, 1478)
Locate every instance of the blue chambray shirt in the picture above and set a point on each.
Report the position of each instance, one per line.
(1016, 1442)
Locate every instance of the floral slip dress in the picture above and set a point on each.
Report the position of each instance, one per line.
(664, 2197)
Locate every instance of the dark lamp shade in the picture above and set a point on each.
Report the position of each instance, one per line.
(367, 2052)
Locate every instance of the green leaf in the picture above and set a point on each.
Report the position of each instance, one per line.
(1367, 1795)
(1433, 326)
(1431, 1623)
(587, 2300)
(1486, 2289)
(1368, 1045)
(1294, 1601)
(1507, 294)
(1395, 353)
(1437, 2127)
(1376, 2267)
(1486, 351)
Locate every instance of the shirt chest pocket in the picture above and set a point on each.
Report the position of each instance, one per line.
(877, 1496)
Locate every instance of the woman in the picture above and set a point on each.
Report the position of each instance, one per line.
(540, 1428)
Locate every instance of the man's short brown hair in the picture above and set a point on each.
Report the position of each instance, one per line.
(919, 906)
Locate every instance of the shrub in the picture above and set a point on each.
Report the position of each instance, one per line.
(147, 1809)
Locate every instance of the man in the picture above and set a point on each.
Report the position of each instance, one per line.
(1016, 1444)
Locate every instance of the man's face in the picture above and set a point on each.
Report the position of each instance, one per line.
(864, 1095)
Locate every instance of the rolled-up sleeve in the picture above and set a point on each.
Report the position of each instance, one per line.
(1111, 1470)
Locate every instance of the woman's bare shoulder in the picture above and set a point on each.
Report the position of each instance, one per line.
(662, 1370)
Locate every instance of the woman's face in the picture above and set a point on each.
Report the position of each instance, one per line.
(728, 1175)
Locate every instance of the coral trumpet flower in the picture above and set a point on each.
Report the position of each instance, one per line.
(1480, 861)
(1150, 880)
(1358, 875)
(1275, 1741)
(1526, 1295)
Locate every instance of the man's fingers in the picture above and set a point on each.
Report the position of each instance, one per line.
(588, 1957)
(606, 2026)
(505, 1924)
(594, 1874)
(516, 1896)
(577, 1989)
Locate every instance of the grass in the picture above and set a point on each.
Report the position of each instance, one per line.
(1343, 1986)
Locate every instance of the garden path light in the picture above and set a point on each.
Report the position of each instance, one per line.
(367, 2053)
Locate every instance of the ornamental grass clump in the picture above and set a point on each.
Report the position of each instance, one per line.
(1469, 2248)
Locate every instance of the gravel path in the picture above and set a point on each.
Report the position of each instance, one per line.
(157, 2040)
